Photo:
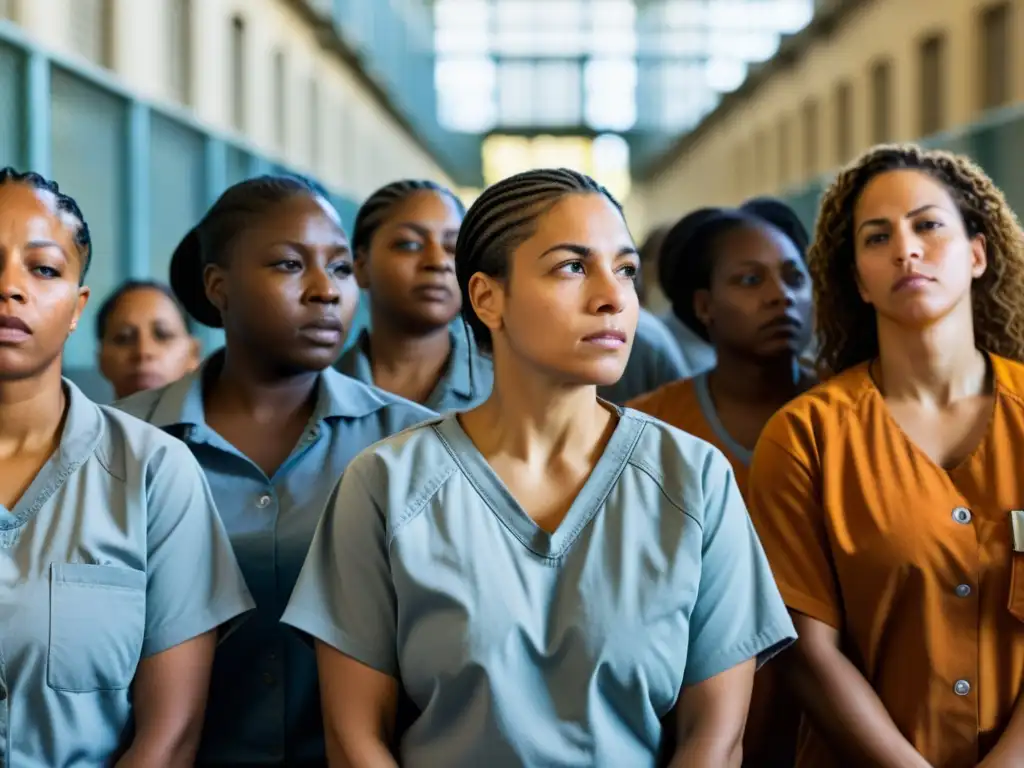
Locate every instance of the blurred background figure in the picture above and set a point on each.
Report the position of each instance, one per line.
(145, 338)
(417, 346)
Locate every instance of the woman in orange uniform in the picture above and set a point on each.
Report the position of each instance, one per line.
(884, 497)
(748, 292)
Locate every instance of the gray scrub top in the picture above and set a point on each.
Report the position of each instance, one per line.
(654, 360)
(522, 647)
(698, 355)
(465, 383)
(264, 706)
(115, 553)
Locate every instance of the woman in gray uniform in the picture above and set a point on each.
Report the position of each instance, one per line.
(273, 426)
(115, 571)
(550, 578)
(416, 346)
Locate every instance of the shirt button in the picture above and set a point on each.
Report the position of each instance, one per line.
(263, 501)
(269, 679)
(962, 688)
(963, 590)
(962, 515)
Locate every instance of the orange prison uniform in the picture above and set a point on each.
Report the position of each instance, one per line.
(769, 740)
(913, 564)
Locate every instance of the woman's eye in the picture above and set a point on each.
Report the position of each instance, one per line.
(572, 267)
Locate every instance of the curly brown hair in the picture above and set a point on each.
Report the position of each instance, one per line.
(846, 325)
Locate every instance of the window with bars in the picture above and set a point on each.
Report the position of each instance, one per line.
(90, 30)
(810, 138)
(179, 49)
(881, 102)
(315, 133)
(932, 84)
(761, 158)
(844, 121)
(994, 51)
(785, 142)
(279, 83)
(237, 51)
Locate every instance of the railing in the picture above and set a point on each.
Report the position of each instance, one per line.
(142, 173)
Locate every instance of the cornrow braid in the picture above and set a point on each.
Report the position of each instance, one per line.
(210, 240)
(501, 219)
(65, 204)
(846, 325)
(373, 212)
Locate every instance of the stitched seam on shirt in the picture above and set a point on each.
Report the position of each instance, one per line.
(419, 502)
(468, 477)
(799, 462)
(658, 477)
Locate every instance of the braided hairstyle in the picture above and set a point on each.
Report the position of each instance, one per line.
(130, 286)
(502, 219)
(65, 204)
(209, 241)
(373, 213)
(847, 326)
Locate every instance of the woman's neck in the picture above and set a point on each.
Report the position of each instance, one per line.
(31, 412)
(392, 349)
(936, 366)
(744, 379)
(531, 418)
(241, 385)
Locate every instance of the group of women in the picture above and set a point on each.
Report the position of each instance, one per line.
(443, 547)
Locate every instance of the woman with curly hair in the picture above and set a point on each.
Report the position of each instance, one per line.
(884, 496)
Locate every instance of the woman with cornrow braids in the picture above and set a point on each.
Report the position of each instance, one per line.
(274, 426)
(551, 579)
(115, 570)
(417, 346)
(885, 496)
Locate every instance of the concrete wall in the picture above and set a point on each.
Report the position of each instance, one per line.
(762, 145)
(151, 44)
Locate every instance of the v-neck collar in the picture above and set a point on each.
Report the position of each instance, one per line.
(508, 510)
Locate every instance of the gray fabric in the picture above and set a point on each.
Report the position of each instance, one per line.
(465, 383)
(264, 702)
(522, 647)
(113, 554)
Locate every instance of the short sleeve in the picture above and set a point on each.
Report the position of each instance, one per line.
(787, 513)
(194, 584)
(345, 596)
(738, 614)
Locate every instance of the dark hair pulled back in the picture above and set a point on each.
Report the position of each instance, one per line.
(208, 242)
(502, 218)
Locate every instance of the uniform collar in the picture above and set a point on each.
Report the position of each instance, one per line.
(338, 397)
(83, 428)
(464, 373)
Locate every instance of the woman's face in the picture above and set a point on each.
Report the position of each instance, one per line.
(146, 343)
(41, 265)
(409, 267)
(759, 302)
(568, 308)
(915, 262)
(286, 288)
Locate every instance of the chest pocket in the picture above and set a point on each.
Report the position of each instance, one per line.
(97, 625)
